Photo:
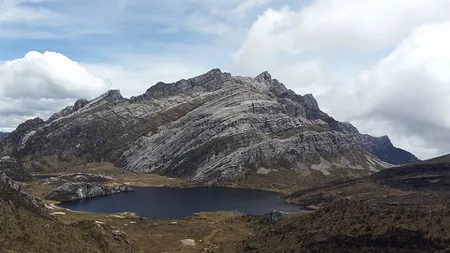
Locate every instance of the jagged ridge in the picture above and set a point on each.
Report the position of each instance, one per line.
(211, 128)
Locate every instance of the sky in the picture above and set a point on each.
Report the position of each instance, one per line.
(382, 65)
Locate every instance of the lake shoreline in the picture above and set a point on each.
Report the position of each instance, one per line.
(179, 202)
(219, 230)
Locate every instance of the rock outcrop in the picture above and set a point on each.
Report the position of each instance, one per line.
(210, 128)
(276, 216)
(82, 190)
(14, 192)
(77, 177)
(13, 169)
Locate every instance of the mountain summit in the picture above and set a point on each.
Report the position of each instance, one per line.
(211, 128)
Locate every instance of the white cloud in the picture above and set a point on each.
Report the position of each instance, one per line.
(405, 94)
(304, 77)
(337, 25)
(266, 38)
(48, 75)
(39, 84)
(364, 25)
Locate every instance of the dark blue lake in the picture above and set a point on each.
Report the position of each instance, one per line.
(174, 203)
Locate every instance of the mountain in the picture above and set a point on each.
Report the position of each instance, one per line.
(211, 128)
(3, 134)
(383, 148)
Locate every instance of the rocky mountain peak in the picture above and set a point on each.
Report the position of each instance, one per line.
(385, 139)
(112, 95)
(310, 101)
(22, 131)
(274, 85)
(264, 76)
(79, 104)
(214, 71)
(385, 150)
(83, 104)
(209, 81)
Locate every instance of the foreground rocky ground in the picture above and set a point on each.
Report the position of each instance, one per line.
(27, 226)
(404, 209)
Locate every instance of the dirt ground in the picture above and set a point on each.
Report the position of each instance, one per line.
(205, 232)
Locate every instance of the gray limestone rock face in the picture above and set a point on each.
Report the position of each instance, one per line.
(209, 128)
(82, 190)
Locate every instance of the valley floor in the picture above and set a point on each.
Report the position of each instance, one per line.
(403, 209)
(205, 232)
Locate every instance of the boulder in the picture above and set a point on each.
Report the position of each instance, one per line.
(276, 216)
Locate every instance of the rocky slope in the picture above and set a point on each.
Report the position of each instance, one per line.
(211, 128)
(26, 226)
(382, 147)
(81, 186)
(83, 190)
(403, 209)
(13, 169)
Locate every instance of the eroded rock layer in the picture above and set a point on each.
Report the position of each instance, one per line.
(210, 128)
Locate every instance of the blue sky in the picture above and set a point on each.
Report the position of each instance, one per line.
(382, 65)
(90, 30)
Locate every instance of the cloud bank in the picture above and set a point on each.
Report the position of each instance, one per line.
(41, 83)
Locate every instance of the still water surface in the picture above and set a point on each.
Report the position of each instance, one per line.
(174, 203)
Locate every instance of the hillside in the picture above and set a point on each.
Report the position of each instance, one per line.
(402, 209)
(27, 226)
(213, 128)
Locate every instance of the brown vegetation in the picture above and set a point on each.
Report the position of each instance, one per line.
(402, 209)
